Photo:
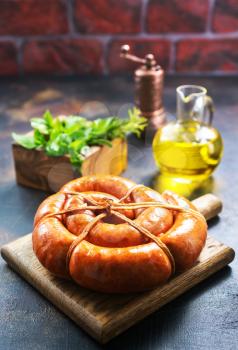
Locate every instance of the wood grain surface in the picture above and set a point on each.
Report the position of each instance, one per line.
(104, 316)
(37, 170)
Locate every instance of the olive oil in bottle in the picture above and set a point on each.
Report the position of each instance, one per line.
(189, 148)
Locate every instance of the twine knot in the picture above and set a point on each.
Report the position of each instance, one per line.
(108, 206)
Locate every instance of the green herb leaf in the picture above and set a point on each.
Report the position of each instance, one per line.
(58, 146)
(136, 124)
(26, 141)
(39, 139)
(40, 125)
(48, 118)
(44, 124)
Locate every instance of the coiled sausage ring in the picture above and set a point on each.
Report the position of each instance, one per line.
(110, 235)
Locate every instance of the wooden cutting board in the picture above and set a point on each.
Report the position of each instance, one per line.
(105, 316)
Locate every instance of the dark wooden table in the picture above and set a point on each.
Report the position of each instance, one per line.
(206, 317)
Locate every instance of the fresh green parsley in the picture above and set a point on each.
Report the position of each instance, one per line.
(73, 135)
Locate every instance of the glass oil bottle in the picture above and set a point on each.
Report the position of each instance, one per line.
(189, 148)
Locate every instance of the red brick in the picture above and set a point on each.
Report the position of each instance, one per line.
(68, 56)
(225, 18)
(33, 17)
(108, 16)
(178, 16)
(8, 59)
(140, 47)
(203, 55)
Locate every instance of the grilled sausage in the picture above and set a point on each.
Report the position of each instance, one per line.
(115, 257)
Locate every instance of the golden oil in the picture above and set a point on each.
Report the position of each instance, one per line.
(187, 149)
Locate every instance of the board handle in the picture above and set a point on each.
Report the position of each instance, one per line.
(209, 205)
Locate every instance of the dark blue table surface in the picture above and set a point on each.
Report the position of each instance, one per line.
(206, 317)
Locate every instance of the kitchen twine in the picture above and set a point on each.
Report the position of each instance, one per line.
(111, 207)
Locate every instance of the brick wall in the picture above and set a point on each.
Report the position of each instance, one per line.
(68, 37)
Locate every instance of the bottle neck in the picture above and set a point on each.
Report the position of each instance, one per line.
(191, 109)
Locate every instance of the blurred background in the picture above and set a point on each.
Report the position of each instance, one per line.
(74, 37)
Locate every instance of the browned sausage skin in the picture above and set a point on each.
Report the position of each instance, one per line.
(186, 238)
(51, 242)
(114, 185)
(115, 257)
(119, 270)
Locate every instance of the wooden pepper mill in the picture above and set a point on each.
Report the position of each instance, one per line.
(149, 80)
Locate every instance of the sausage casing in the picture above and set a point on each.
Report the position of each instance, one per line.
(115, 257)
